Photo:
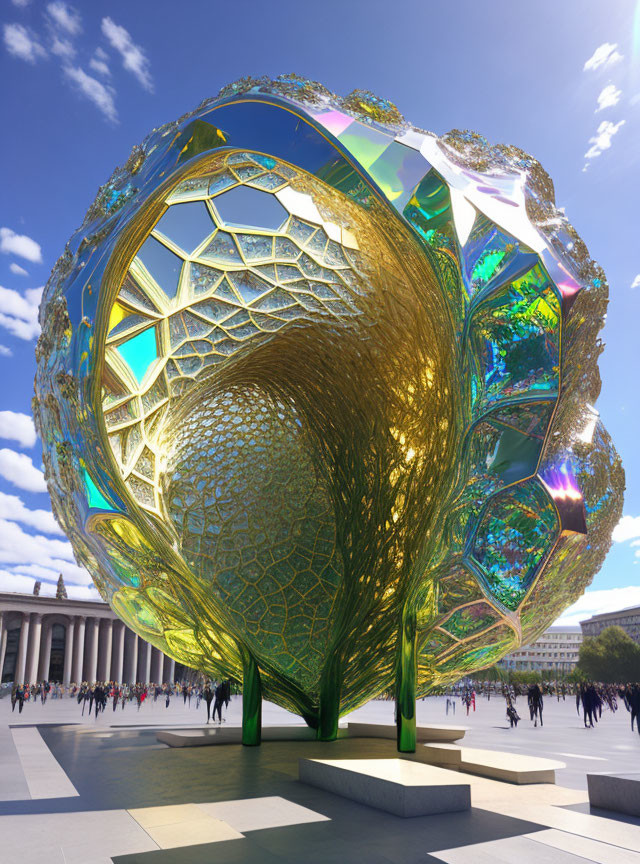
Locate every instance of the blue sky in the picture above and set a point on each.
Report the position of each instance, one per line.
(83, 84)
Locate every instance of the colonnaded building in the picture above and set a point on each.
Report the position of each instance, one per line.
(45, 638)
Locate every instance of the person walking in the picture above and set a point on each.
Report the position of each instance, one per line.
(217, 705)
(207, 694)
(512, 714)
(534, 698)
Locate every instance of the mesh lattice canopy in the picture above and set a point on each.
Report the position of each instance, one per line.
(311, 379)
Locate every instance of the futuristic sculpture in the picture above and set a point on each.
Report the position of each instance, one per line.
(314, 388)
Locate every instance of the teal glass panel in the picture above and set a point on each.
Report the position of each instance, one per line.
(140, 352)
(96, 499)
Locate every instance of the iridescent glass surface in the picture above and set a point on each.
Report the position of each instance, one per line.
(315, 390)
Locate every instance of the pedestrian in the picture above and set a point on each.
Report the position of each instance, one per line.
(208, 698)
(534, 698)
(219, 699)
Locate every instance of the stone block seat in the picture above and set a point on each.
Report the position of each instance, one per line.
(201, 737)
(423, 733)
(399, 786)
(619, 792)
(509, 767)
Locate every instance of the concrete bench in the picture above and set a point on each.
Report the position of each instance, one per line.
(233, 735)
(619, 792)
(398, 786)
(423, 733)
(509, 767)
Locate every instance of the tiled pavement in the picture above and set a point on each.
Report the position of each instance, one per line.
(139, 802)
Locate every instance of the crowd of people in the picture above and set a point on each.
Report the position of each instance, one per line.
(97, 696)
(590, 698)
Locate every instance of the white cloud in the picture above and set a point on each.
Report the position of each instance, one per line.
(19, 314)
(100, 63)
(20, 245)
(15, 583)
(17, 547)
(609, 96)
(18, 469)
(53, 568)
(134, 59)
(5, 352)
(21, 4)
(605, 55)
(17, 269)
(17, 427)
(602, 140)
(636, 282)
(65, 17)
(63, 24)
(597, 602)
(21, 584)
(13, 509)
(628, 528)
(62, 47)
(22, 43)
(100, 94)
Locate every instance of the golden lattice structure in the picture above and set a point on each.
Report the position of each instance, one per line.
(315, 394)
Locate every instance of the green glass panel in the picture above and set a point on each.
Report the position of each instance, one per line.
(517, 336)
(469, 620)
(518, 528)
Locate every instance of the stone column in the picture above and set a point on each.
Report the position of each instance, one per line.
(45, 652)
(92, 654)
(78, 650)
(106, 646)
(169, 669)
(35, 634)
(117, 655)
(144, 672)
(130, 657)
(3, 639)
(21, 659)
(68, 651)
(157, 663)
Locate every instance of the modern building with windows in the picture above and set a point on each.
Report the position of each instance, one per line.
(44, 638)
(557, 650)
(628, 619)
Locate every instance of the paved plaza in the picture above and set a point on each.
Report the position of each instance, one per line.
(81, 790)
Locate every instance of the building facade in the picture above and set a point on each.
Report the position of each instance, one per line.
(43, 638)
(628, 619)
(557, 650)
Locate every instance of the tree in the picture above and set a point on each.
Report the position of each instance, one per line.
(611, 657)
(61, 591)
(36, 588)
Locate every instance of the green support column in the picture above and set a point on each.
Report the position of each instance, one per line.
(406, 684)
(329, 712)
(251, 701)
